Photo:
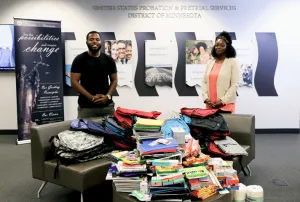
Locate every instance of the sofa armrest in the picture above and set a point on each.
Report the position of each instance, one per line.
(242, 128)
(40, 145)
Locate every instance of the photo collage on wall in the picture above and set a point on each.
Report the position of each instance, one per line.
(198, 53)
(246, 75)
(158, 59)
(244, 58)
(121, 52)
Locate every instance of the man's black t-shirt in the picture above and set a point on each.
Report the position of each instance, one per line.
(94, 78)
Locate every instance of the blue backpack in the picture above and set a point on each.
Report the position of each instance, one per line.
(114, 135)
(175, 122)
(113, 126)
(92, 127)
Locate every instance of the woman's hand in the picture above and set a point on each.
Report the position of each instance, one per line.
(209, 103)
(218, 104)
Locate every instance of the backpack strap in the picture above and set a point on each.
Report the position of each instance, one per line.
(79, 121)
(52, 151)
(56, 169)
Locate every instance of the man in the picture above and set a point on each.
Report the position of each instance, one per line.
(128, 52)
(89, 76)
(108, 48)
(122, 49)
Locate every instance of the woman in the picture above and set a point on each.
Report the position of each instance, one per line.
(221, 78)
(204, 55)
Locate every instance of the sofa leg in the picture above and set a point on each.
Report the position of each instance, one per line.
(41, 188)
(81, 200)
(244, 171)
(249, 171)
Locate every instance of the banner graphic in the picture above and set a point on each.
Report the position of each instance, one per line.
(121, 52)
(158, 63)
(39, 78)
(198, 53)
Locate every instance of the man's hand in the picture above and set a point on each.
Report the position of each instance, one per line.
(100, 99)
(95, 99)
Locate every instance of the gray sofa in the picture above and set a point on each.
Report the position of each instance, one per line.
(242, 128)
(79, 177)
(86, 175)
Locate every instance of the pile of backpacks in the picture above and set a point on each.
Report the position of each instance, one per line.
(210, 128)
(88, 140)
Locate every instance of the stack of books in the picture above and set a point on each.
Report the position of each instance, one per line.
(147, 129)
(155, 146)
(168, 181)
(127, 173)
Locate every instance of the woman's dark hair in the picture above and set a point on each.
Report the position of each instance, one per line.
(198, 45)
(230, 50)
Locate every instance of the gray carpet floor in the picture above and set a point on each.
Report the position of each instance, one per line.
(276, 168)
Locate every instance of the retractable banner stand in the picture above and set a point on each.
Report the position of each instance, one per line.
(39, 74)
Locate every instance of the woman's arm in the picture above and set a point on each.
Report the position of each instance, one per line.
(204, 86)
(234, 83)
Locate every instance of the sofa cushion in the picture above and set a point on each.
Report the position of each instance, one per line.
(78, 176)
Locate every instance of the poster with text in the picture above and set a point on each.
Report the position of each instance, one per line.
(39, 78)
(121, 52)
(158, 59)
(245, 59)
(198, 53)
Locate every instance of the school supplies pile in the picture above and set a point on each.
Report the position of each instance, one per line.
(226, 175)
(168, 172)
(128, 172)
(154, 146)
(147, 129)
(168, 180)
(168, 162)
(201, 160)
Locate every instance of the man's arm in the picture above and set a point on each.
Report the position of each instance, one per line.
(75, 78)
(113, 83)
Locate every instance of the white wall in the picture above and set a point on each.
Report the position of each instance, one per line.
(264, 16)
(8, 103)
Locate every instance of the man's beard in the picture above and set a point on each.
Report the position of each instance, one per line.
(93, 50)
